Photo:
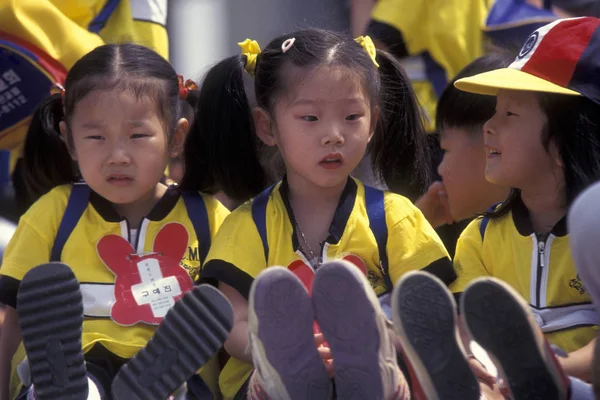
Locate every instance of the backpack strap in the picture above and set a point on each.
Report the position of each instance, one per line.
(76, 205)
(259, 216)
(482, 226)
(198, 214)
(485, 220)
(102, 18)
(374, 200)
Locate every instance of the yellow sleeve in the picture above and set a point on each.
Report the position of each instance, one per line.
(236, 255)
(413, 244)
(34, 237)
(46, 26)
(449, 30)
(468, 260)
(142, 22)
(217, 214)
(408, 17)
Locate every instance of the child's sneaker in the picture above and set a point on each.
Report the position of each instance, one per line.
(280, 321)
(424, 314)
(50, 312)
(501, 322)
(193, 330)
(349, 314)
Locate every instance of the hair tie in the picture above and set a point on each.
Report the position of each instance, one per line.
(250, 49)
(367, 44)
(184, 88)
(57, 88)
(287, 44)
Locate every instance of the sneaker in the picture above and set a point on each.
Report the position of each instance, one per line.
(50, 310)
(280, 322)
(191, 333)
(349, 314)
(499, 320)
(424, 314)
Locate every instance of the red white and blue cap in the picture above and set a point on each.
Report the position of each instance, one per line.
(561, 57)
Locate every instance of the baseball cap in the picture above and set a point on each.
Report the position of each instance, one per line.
(561, 57)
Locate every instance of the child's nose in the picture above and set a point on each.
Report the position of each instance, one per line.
(333, 136)
(119, 155)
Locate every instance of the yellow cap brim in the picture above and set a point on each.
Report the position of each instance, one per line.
(511, 79)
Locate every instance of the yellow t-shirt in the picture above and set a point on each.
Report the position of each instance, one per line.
(237, 255)
(540, 269)
(35, 235)
(441, 37)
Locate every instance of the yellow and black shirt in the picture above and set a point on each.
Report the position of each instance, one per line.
(237, 254)
(33, 241)
(539, 267)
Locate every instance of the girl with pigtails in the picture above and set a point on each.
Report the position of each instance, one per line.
(309, 263)
(100, 275)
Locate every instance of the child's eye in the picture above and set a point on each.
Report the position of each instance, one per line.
(309, 118)
(139, 135)
(510, 114)
(353, 117)
(95, 137)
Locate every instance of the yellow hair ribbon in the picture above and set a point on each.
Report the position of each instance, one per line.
(251, 50)
(367, 44)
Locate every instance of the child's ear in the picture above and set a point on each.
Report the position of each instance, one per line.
(64, 135)
(263, 125)
(178, 139)
(374, 120)
(555, 154)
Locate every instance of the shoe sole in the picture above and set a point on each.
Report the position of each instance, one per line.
(497, 321)
(348, 320)
(424, 314)
(284, 315)
(50, 309)
(193, 330)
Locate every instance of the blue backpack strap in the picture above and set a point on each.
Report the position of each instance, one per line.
(482, 226)
(485, 220)
(259, 216)
(376, 212)
(198, 214)
(100, 20)
(76, 205)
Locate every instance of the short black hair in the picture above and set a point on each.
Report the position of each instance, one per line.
(458, 109)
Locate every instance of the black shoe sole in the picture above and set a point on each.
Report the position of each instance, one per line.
(425, 316)
(193, 330)
(50, 310)
(497, 321)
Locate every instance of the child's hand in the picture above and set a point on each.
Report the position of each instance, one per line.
(482, 374)
(325, 353)
(434, 205)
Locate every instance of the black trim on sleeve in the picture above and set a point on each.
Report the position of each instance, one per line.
(228, 273)
(388, 35)
(8, 290)
(443, 269)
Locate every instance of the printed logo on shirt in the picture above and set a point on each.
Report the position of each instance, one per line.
(191, 261)
(577, 285)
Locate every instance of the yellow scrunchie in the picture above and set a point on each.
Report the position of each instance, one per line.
(251, 50)
(367, 44)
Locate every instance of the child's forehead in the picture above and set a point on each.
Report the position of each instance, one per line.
(102, 98)
(324, 84)
(517, 97)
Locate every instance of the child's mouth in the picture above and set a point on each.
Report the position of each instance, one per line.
(119, 180)
(332, 161)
